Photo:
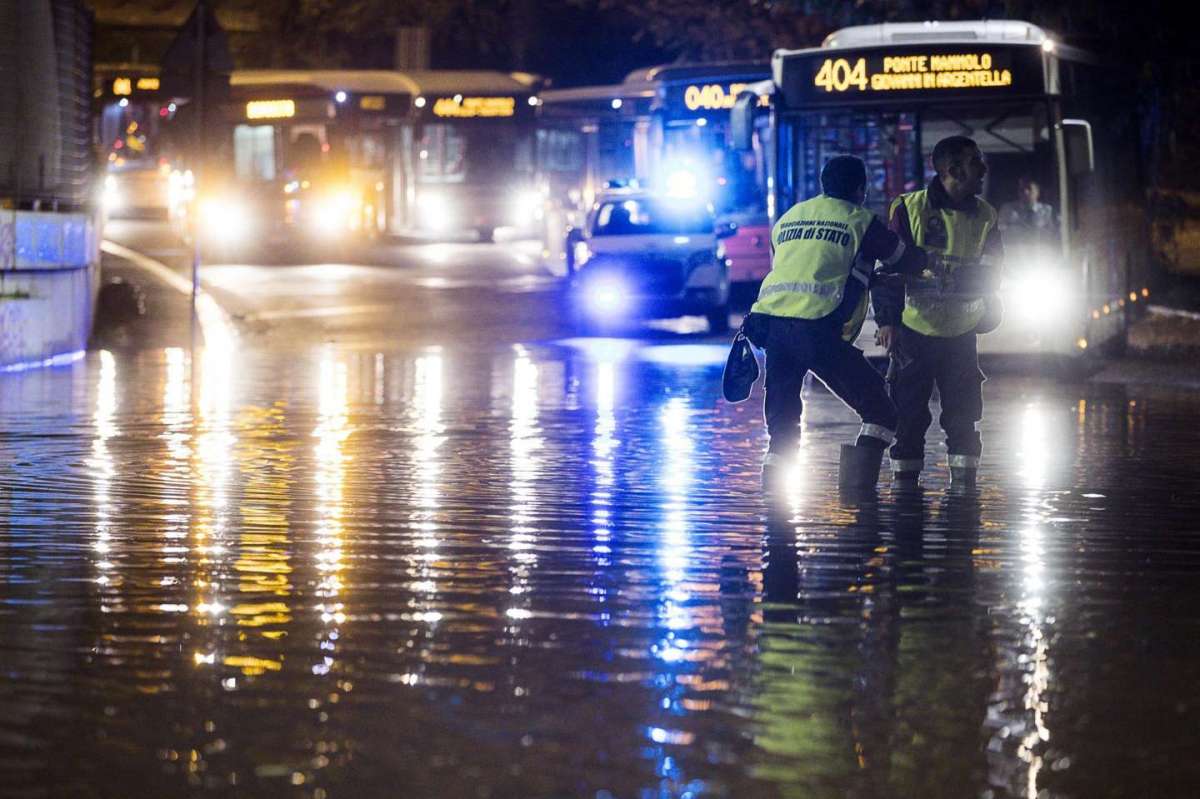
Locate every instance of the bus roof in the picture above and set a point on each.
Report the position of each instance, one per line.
(381, 81)
(596, 93)
(991, 31)
(685, 73)
(644, 83)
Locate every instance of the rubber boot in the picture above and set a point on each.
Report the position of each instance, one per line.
(962, 478)
(858, 467)
(906, 481)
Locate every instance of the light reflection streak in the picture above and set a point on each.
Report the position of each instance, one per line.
(1035, 453)
(1035, 447)
(213, 459)
(263, 565)
(604, 443)
(380, 381)
(427, 400)
(177, 421)
(524, 443)
(331, 433)
(102, 467)
(677, 648)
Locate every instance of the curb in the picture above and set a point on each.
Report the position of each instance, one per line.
(216, 325)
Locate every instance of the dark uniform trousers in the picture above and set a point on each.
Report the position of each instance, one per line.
(952, 364)
(795, 347)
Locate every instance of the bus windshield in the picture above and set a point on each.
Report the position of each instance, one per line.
(477, 153)
(895, 144)
(652, 217)
(736, 181)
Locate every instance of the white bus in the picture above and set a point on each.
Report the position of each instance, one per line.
(1077, 267)
(338, 153)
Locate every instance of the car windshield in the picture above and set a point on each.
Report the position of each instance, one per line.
(648, 217)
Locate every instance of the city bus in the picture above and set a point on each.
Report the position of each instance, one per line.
(133, 138)
(338, 154)
(665, 128)
(887, 93)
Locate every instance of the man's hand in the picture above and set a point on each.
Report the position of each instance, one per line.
(886, 337)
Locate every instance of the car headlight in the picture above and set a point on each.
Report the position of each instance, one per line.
(437, 212)
(111, 197)
(583, 253)
(225, 220)
(606, 296)
(1039, 296)
(527, 206)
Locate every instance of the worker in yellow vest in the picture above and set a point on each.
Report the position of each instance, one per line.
(810, 309)
(929, 323)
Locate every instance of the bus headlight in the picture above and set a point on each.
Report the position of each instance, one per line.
(336, 213)
(527, 206)
(437, 212)
(225, 220)
(1039, 296)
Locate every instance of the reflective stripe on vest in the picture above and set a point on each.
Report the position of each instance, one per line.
(960, 239)
(816, 246)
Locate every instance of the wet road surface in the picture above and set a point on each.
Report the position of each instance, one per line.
(288, 566)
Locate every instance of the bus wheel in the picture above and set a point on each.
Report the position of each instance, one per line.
(486, 234)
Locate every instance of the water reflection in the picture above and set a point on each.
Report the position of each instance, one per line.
(102, 467)
(1018, 713)
(331, 433)
(426, 470)
(454, 572)
(525, 443)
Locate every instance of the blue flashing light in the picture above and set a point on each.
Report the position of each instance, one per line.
(62, 359)
(623, 183)
(607, 297)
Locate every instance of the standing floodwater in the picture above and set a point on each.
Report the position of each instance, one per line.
(548, 571)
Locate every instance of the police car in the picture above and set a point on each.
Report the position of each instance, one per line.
(645, 255)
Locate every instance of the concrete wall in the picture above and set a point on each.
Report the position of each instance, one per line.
(49, 270)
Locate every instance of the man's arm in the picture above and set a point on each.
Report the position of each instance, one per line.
(890, 249)
(887, 290)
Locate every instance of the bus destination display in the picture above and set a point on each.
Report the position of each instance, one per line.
(832, 77)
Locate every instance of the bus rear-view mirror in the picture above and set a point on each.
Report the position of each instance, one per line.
(741, 121)
(1081, 157)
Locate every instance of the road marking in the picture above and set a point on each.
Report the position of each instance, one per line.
(310, 313)
(215, 324)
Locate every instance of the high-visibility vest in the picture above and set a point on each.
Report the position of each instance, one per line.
(958, 237)
(816, 246)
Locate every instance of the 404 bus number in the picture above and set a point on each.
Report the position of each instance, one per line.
(836, 75)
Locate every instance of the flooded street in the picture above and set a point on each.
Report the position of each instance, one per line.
(548, 570)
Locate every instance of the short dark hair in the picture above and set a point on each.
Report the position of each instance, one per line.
(843, 176)
(949, 150)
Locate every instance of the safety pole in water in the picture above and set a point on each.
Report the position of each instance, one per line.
(201, 35)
